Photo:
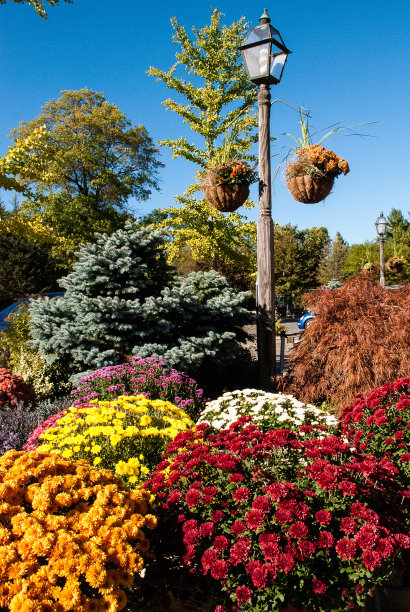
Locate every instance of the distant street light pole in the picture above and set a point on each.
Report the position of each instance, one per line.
(381, 229)
(264, 54)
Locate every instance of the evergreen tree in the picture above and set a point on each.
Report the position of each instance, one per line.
(331, 267)
(122, 298)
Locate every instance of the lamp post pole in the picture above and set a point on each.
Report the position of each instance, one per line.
(381, 228)
(382, 277)
(265, 54)
(265, 314)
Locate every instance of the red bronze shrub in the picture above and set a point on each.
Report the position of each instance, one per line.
(13, 389)
(358, 341)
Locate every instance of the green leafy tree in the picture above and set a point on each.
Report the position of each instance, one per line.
(38, 5)
(331, 266)
(223, 105)
(122, 298)
(29, 155)
(219, 107)
(298, 254)
(96, 160)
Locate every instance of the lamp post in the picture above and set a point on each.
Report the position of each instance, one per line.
(264, 54)
(381, 228)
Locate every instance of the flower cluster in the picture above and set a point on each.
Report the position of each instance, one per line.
(379, 424)
(139, 376)
(231, 173)
(317, 161)
(277, 519)
(13, 389)
(71, 536)
(126, 435)
(268, 410)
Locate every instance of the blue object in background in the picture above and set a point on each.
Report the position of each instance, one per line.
(305, 320)
(14, 307)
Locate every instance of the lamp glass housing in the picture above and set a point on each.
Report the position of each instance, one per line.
(381, 225)
(264, 54)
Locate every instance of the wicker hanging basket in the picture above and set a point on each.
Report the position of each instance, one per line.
(227, 197)
(395, 264)
(309, 190)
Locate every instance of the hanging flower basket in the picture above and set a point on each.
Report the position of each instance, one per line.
(309, 190)
(311, 175)
(396, 264)
(226, 186)
(370, 267)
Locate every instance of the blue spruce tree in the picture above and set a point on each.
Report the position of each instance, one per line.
(123, 299)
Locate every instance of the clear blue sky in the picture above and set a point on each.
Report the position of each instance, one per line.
(350, 62)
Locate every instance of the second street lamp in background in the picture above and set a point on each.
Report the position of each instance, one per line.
(265, 54)
(381, 229)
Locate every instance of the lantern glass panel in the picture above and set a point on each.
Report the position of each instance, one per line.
(257, 34)
(277, 65)
(257, 60)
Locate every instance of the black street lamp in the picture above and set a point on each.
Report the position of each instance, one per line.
(381, 229)
(265, 54)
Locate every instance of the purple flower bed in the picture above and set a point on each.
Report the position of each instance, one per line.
(149, 377)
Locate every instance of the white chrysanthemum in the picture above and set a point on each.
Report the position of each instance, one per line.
(265, 408)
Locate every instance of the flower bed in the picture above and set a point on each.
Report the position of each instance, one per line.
(379, 424)
(13, 389)
(268, 410)
(275, 519)
(126, 435)
(72, 537)
(148, 377)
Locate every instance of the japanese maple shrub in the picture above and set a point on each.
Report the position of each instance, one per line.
(359, 340)
(379, 424)
(277, 520)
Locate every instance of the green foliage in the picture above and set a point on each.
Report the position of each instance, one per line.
(123, 298)
(219, 108)
(38, 5)
(297, 258)
(225, 99)
(331, 266)
(27, 267)
(95, 159)
(47, 380)
(206, 239)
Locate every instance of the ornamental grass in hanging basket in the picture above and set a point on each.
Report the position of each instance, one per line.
(226, 186)
(311, 175)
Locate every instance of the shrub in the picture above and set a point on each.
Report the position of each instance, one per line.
(71, 535)
(278, 520)
(379, 424)
(268, 410)
(147, 377)
(122, 299)
(13, 389)
(358, 341)
(47, 380)
(127, 435)
(17, 422)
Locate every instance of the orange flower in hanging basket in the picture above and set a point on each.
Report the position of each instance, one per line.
(311, 176)
(226, 186)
